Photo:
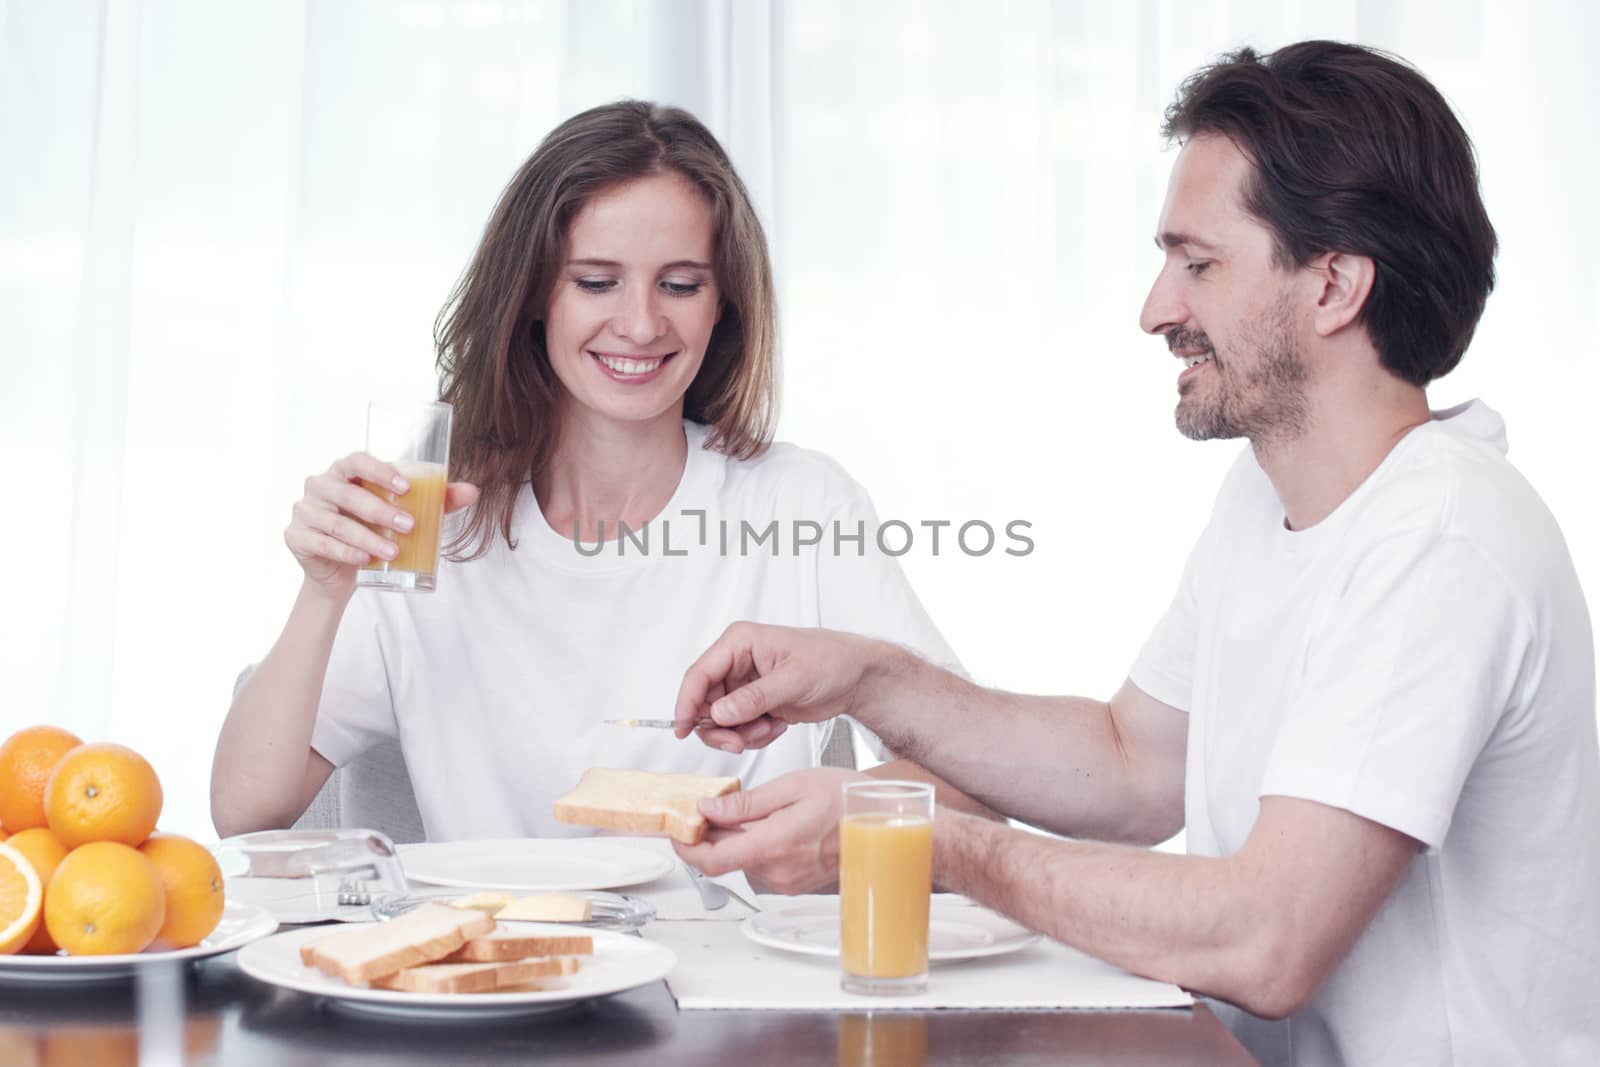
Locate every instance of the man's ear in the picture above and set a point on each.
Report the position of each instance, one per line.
(1346, 281)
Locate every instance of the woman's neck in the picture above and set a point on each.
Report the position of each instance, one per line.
(611, 472)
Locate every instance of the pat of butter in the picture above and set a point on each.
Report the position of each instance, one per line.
(548, 908)
(486, 902)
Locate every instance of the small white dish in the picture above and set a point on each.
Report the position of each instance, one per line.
(619, 963)
(956, 930)
(533, 865)
(240, 925)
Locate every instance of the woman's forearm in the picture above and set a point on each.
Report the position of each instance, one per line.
(264, 765)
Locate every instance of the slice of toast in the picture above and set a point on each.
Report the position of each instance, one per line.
(475, 977)
(363, 953)
(504, 944)
(643, 802)
(569, 964)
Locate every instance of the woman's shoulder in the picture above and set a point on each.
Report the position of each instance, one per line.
(794, 471)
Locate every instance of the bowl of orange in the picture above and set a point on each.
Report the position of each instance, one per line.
(88, 886)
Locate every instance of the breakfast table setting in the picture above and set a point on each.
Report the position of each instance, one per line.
(683, 968)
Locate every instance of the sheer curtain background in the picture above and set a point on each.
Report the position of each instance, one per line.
(224, 226)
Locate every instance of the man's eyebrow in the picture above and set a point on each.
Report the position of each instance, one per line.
(591, 262)
(1169, 239)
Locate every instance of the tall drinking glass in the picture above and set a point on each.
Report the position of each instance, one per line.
(885, 884)
(415, 439)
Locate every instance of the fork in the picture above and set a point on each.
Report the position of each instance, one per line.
(353, 891)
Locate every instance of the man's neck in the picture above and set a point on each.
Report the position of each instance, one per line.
(612, 472)
(1355, 422)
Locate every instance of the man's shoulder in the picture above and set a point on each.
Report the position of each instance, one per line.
(1465, 488)
(1460, 491)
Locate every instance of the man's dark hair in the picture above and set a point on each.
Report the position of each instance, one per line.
(1356, 152)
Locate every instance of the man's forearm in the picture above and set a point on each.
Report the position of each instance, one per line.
(1175, 918)
(1055, 762)
(944, 794)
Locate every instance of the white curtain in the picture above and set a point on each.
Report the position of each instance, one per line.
(224, 226)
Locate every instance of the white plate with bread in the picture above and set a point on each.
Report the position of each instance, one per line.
(240, 925)
(529, 865)
(957, 930)
(439, 963)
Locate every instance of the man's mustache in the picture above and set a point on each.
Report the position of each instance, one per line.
(1178, 338)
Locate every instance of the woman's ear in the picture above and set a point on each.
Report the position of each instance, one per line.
(1346, 283)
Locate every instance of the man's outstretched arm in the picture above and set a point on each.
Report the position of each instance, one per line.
(1111, 770)
(1262, 928)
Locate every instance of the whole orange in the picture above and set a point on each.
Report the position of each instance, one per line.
(26, 759)
(105, 899)
(103, 792)
(45, 852)
(193, 884)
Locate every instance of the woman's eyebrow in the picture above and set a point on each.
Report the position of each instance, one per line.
(592, 262)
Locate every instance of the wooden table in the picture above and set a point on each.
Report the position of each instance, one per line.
(228, 1018)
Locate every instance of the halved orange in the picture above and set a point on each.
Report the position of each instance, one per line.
(41, 848)
(21, 897)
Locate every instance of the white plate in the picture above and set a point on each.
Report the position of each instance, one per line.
(533, 865)
(956, 930)
(619, 962)
(240, 924)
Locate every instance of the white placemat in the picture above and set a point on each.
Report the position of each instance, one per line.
(718, 967)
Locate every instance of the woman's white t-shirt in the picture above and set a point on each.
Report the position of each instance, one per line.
(497, 682)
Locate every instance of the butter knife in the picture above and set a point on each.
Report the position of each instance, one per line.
(656, 724)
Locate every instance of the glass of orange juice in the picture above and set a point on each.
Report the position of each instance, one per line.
(415, 440)
(885, 884)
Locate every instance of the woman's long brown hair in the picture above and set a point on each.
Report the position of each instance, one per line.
(493, 366)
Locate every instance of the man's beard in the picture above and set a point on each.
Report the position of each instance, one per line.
(1265, 401)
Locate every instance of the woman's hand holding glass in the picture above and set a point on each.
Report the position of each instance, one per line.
(332, 531)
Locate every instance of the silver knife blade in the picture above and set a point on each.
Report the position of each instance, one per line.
(656, 724)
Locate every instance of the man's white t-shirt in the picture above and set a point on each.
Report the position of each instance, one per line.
(497, 682)
(1423, 658)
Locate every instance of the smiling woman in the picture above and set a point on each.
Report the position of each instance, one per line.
(636, 301)
(627, 236)
(610, 357)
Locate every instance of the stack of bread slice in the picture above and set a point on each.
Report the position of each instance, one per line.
(435, 948)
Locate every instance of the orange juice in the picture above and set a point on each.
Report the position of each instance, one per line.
(885, 879)
(424, 502)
